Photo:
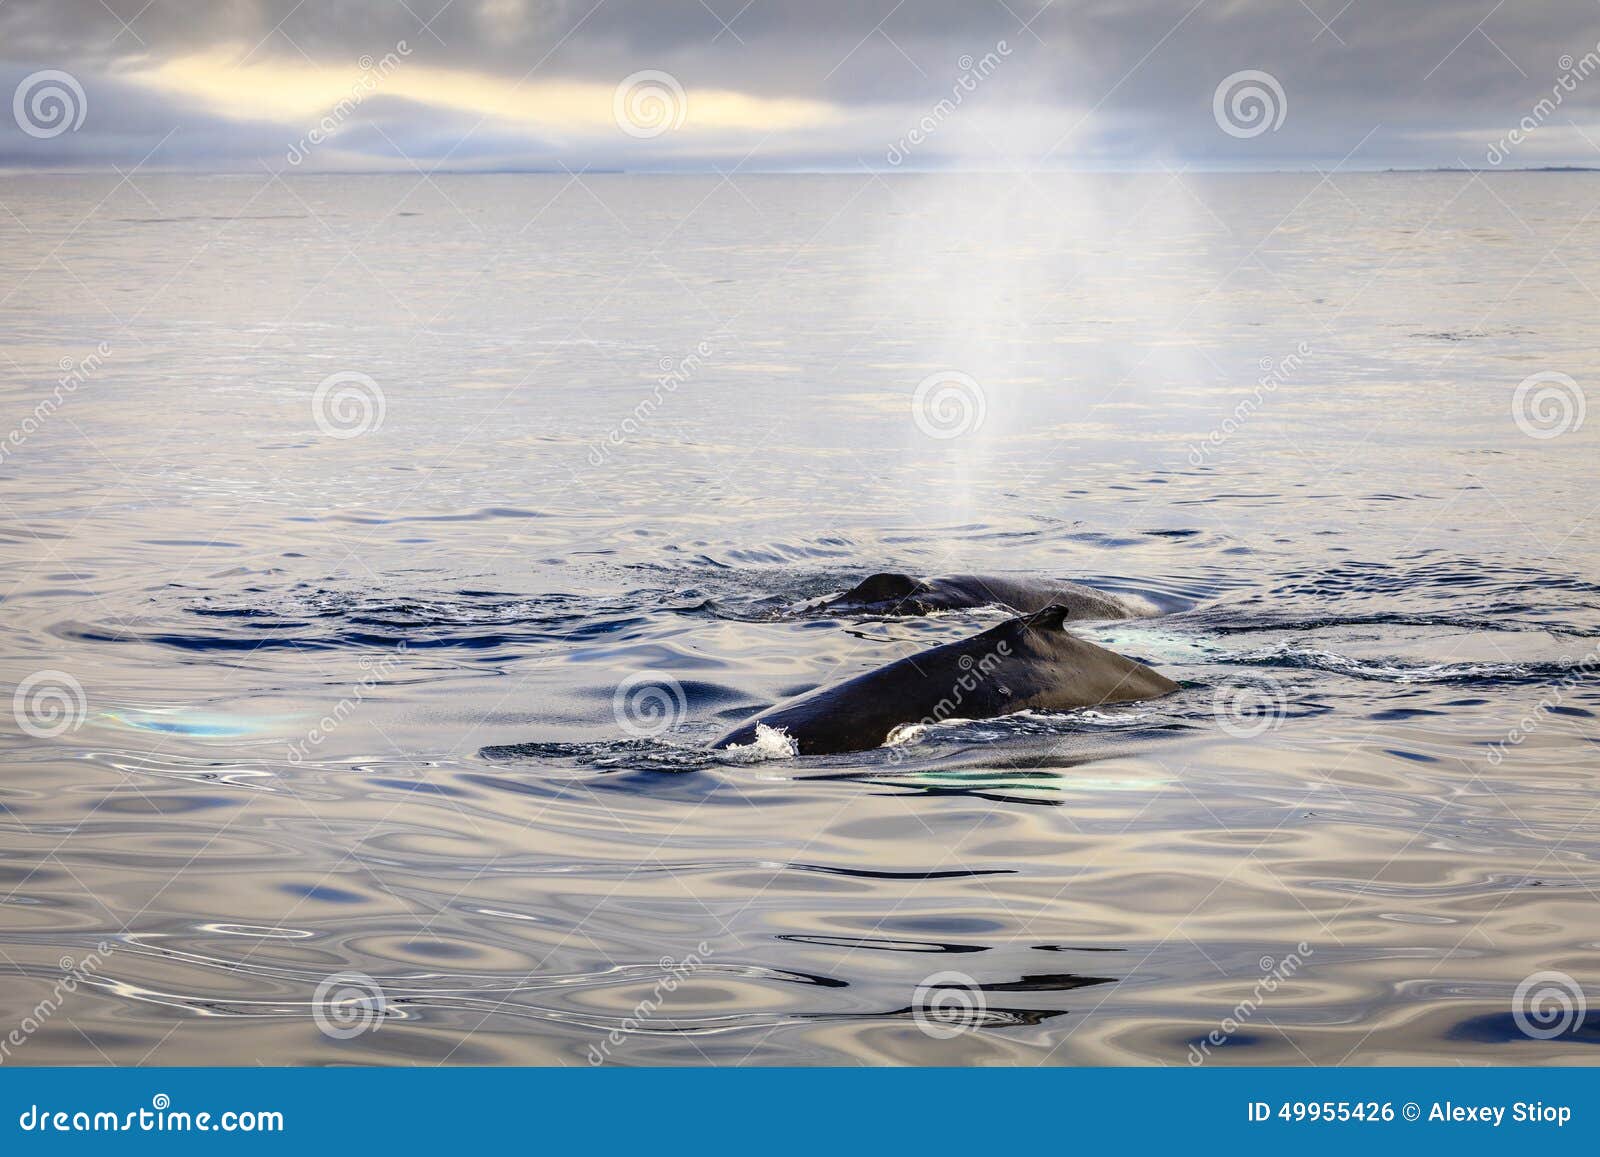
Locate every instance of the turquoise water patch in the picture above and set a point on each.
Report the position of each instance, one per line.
(197, 724)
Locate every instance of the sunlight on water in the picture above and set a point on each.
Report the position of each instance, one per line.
(370, 631)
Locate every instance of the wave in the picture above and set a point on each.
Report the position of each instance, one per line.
(1398, 671)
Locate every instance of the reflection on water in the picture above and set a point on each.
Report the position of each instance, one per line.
(307, 715)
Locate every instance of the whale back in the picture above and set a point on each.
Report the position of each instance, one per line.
(887, 592)
(893, 593)
(1027, 596)
(1026, 663)
(1066, 672)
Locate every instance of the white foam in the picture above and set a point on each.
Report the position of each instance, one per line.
(1141, 607)
(1331, 661)
(905, 733)
(769, 743)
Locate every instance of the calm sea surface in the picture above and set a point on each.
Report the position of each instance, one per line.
(317, 685)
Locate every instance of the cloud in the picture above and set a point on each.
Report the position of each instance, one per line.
(570, 113)
(786, 83)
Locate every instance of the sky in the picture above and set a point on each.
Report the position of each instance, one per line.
(762, 85)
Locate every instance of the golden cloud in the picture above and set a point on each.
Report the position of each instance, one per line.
(298, 91)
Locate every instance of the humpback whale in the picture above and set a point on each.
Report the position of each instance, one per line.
(891, 593)
(1027, 663)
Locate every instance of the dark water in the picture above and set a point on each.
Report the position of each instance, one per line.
(314, 705)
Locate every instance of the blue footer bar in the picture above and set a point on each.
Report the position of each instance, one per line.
(768, 1111)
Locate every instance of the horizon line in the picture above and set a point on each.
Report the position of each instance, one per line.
(796, 171)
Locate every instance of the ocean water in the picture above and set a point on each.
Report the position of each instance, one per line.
(381, 554)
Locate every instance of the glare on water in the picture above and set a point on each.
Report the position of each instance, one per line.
(373, 591)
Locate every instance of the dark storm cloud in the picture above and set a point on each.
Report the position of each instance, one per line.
(1092, 82)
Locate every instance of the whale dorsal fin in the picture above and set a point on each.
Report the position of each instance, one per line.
(1055, 617)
